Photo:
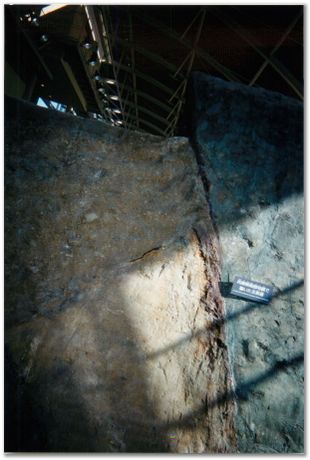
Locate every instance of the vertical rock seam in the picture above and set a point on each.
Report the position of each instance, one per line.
(220, 401)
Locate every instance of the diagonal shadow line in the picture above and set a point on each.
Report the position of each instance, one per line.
(241, 392)
(220, 322)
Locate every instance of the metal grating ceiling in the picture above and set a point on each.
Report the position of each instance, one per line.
(130, 65)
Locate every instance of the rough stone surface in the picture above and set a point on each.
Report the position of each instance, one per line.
(249, 144)
(113, 336)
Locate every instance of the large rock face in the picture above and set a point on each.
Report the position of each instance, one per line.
(249, 144)
(113, 333)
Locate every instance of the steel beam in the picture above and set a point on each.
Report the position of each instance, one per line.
(106, 19)
(148, 112)
(186, 43)
(148, 54)
(32, 46)
(192, 57)
(149, 98)
(91, 83)
(74, 83)
(275, 49)
(190, 24)
(275, 64)
(147, 78)
(150, 125)
(133, 67)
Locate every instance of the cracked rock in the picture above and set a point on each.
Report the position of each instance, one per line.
(113, 346)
